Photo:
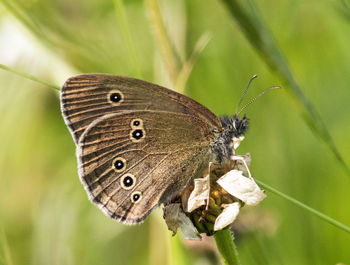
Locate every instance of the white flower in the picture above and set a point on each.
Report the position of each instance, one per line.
(223, 208)
(227, 216)
(241, 187)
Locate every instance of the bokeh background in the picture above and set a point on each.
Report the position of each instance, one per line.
(45, 216)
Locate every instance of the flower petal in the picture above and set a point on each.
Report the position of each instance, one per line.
(200, 194)
(241, 187)
(227, 216)
(236, 141)
(175, 218)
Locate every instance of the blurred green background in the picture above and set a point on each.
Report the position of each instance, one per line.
(45, 216)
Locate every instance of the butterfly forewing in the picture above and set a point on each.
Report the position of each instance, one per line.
(87, 97)
(132, 161)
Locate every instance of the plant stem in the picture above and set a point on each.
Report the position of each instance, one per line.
(179, 252)
(226, 246)
(7, 257)
(162, 39)
(129, 43)
(189, 64)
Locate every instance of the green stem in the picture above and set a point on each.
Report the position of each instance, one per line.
(226, 246)
(5, 249)
(17, 11)
(162, 39)
(28, 76)
(305, 207)
(129, 43)
(179, 252)
(189, 64)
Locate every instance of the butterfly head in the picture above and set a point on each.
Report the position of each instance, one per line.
(234, 126)
(233, 130)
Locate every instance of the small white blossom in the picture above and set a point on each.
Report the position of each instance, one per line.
(234, 182)
(241, 187)
(227, 217)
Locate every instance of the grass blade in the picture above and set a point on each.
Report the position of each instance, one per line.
(28, 76)
(129, 43)
(188, 65)
(262, 40)
(305, 207)
(162, 39)
(6, 250)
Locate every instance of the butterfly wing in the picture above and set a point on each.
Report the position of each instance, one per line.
(132, 161)
(86, 97)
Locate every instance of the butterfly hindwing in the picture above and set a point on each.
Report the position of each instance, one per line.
(132, 161)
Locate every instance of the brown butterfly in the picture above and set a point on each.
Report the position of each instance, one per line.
(139, 144)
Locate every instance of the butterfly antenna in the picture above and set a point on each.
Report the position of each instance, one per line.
(244, 93)
(256, 97)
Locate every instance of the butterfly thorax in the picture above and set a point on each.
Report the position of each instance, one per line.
(232, 128)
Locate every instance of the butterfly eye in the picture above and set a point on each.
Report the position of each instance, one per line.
(136, 196)
(119, 164)
(115, 97)
(128, 181)
(136, 123)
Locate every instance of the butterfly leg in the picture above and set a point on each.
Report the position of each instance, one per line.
(241, 158)
(210, 168)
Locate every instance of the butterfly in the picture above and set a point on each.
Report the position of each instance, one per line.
(138, 144)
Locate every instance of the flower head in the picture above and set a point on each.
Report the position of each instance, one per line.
(214, 201)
